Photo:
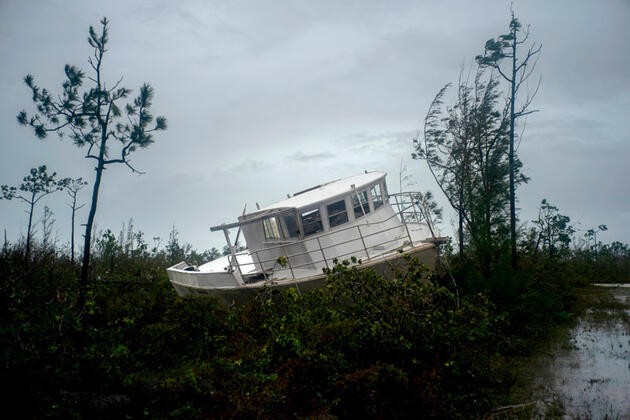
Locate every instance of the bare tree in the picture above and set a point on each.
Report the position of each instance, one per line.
(48, 220)
(72, 189)
(94, 119)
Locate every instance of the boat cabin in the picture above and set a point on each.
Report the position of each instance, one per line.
(321, 217)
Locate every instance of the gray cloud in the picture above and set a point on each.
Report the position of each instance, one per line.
(303, 157)
(268, 98)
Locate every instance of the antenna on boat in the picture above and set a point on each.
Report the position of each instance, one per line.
(238, 232)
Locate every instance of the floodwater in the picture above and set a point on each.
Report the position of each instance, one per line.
(589, 377)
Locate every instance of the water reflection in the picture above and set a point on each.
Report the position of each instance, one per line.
(591, 376)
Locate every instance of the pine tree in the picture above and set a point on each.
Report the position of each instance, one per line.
(94, 118)
(33, 188)
(496, 50)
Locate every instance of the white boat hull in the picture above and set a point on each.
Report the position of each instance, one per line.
(226, 287)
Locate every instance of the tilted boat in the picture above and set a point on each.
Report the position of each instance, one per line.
(291, 242)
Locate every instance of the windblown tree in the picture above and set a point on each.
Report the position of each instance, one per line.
(94, 118)
(430, 210)
(553, 233)
(72, 189)
(516, 74)
(447, 158)
(33, 188)
(591, 237)
(465, 146)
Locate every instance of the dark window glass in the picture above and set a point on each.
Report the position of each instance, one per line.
(312, 222)
(337, 213)
(290, 221)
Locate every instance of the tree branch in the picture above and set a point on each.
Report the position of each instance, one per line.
(134, 170)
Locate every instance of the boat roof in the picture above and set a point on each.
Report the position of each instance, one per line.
(311, 196)
(325, 192)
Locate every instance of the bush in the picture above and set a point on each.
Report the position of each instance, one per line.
(362, 346)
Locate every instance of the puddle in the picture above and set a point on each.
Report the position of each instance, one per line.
(590, 377)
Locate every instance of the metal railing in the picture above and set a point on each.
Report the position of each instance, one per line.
(405, 206)
(411, 210)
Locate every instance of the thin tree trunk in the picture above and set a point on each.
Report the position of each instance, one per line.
(511, 159)
(74, 208)
(461, 224)
(28, 231)
(85, 267)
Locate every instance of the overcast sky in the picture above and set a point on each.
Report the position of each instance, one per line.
(265, 98)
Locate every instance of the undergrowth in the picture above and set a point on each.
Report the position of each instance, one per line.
(363, 346)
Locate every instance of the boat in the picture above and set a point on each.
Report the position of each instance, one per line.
(292, 242)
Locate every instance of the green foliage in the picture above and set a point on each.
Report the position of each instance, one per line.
(367, 346)
(429, 211)
(137, 349)
(282, 261)
(466, 146)
(591, 236)
(608, 263)
(175, 252)
(35, 186)
(518, 71)
(552, 231)
(361, 346)
(92, 117)
(499, 48)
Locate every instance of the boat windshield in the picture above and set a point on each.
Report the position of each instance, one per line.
(377, 196)
(291, 226)
(271, 226)
(312, 222)
(337, 213)
(281, 227)
(361, 208)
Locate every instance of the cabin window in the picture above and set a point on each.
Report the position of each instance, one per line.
(312, 222)
(360, 204)
(377, 196)
(271, 226)
(290, 222)
(337, 213)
